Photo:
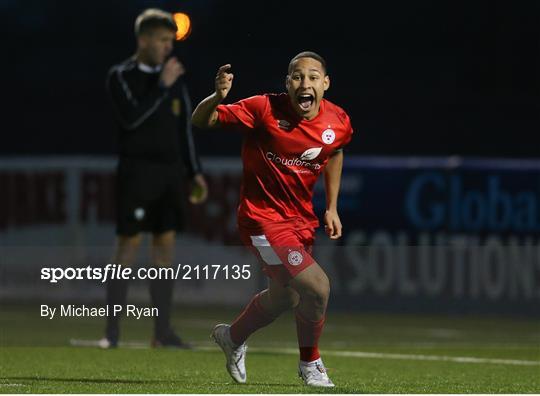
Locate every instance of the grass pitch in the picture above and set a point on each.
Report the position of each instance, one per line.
(364, 353)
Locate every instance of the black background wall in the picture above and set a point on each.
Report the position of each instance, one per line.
(417, 77)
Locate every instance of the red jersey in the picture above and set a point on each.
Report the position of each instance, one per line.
(283, 154)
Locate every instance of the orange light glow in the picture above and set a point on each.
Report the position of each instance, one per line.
(183, 23)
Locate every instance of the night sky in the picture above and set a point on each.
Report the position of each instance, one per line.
(417, 77)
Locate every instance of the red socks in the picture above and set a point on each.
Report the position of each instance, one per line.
(308, 337)
(250, 320)
(253, 317)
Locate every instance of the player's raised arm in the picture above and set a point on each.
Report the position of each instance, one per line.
(205, 115)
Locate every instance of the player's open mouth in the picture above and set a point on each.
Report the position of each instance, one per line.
(305, 101)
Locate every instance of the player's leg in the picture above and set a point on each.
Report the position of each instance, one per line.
(161, 290)
(313, 286)
(165, 219)
(267, 305)
(131, 218)
(162, 250)
(262, 310)
(116, 289)
(278, 298)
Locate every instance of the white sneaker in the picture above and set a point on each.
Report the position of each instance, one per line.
(236, 355)
(314, 374)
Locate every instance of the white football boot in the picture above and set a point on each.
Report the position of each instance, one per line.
(235, 355)
(314, 374)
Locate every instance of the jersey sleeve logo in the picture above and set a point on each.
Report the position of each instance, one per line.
(328, 136)
(175, 107)
(311, 154)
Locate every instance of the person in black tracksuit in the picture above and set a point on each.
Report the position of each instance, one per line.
(156, 152)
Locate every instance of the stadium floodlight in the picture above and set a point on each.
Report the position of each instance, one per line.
(183, 24)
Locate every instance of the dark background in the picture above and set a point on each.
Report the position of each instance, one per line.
(417, 77)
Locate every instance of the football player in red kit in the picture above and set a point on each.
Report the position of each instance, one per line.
(290, 139)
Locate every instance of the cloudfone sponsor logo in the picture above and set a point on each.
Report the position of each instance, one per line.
(302, 160)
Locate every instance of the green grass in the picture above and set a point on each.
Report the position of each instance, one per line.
(35, 356)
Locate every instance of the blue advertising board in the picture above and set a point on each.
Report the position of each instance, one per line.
(438, 234)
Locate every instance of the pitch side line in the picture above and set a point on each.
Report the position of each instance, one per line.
(355, 354)
(398, 356)
(100, 344)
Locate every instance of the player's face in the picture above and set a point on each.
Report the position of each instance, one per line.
(306, 85)
(156, 45)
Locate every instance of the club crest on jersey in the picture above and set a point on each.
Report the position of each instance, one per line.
(284, 124)
(311, 154)
(328, 136)
(295, 258)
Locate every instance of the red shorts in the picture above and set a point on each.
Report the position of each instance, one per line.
(282, 248)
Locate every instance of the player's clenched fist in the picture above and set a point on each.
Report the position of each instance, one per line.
(172, 69)
(223, 81)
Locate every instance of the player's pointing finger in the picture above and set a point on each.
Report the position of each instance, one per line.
(224, 68)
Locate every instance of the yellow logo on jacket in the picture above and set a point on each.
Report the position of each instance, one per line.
(175, 107)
